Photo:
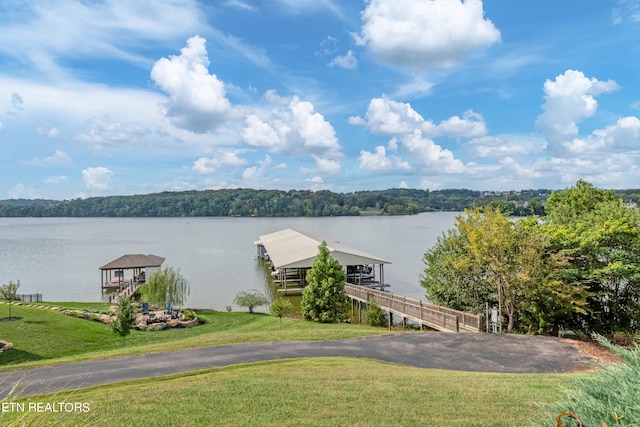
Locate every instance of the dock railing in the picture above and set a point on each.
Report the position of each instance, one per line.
(431, 315)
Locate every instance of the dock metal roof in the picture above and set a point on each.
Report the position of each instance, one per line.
(291, 249)
(127, 262)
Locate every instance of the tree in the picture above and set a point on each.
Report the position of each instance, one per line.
(324, 298)
(164, 286)
(124, 320)
(280, 308)
(250, 300)
(491, 259)
(600, 238)
(8, 292)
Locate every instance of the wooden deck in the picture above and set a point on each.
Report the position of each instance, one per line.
(423, 313)
(125, 291)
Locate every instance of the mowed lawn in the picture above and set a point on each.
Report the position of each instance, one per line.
(306, 392)
(309, 392)
(45, 336)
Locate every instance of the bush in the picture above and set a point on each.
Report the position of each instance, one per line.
(374, 315)
(188, 314)
(610, 396)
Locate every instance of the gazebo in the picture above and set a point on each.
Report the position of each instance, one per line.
(128, 270)
(291, 254)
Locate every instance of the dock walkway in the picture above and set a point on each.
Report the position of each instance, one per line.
(430, 315)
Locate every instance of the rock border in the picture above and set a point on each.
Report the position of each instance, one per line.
(5, 345)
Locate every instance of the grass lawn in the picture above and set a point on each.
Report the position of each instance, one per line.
(45, 336)
(314, 391)
(310, 392)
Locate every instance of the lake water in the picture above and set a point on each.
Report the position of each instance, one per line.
(61, 257)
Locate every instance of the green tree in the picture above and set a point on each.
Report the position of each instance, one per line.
(9, 292)
(490, 259)
(600, 238)
(281, 307)
(324, 298)
(124, 320)
(164, 286)
(250, 300)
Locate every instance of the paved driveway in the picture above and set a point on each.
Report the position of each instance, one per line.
(439, 350)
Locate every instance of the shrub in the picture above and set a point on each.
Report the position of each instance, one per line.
(188, 314)
(609, 396)
(374, 315)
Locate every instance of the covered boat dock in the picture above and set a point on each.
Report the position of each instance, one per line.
(291, 254)
(126, 274)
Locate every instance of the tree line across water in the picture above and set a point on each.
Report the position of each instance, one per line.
(250, 202)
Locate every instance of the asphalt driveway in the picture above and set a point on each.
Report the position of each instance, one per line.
(439, 350)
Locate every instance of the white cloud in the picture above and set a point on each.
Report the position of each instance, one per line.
(380, 161)
(59, 158)
(56, 179)
(327, 166)
(197, 99)
(88, 30)
(424, 34)
(428, 157)
(622, 137)
(210, 165)
(292, 127)
(103, 130)
(501, 146)
(97, 178)
(49, 130)
(254, 172)
(568, 100)
(387, 117)
(347, 61)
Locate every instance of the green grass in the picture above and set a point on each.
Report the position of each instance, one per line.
(46, 337)
(311, 392)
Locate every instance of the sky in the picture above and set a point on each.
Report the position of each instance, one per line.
(112, 97)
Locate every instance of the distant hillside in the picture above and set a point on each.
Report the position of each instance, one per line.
(271, 203)
(29, 202)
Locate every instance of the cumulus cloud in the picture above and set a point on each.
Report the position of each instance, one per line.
(381, 161)
(292, 127)
(59, 158)
(210, 165)
(568, 100)
(424, 34)
(97, 178)
(21, 191)
(621, 137)
(347, 61)
(254, 172)
(429, 157)
(388, 117)
(197, 99)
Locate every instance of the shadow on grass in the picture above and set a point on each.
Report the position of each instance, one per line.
(15, 355)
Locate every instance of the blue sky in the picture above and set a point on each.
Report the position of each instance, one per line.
(130, 97)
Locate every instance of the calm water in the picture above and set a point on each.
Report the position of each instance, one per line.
(60, 257)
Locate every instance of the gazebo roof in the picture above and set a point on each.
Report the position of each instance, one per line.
(292, 249)
(127, 262)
